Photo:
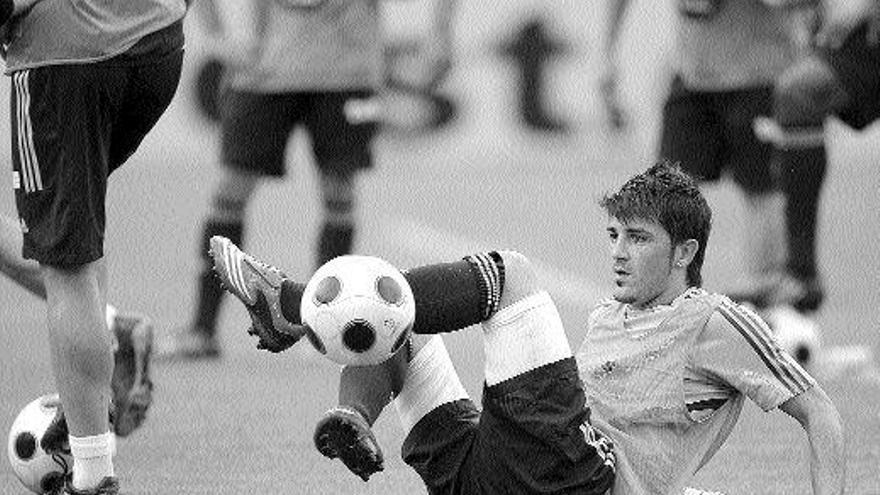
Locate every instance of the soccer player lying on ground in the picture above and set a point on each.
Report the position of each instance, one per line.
(662, 351)
(133, 334)
(533, 434)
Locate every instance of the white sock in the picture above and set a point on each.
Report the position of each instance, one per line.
(92, 459)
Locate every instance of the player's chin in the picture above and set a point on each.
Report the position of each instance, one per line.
(622, 293)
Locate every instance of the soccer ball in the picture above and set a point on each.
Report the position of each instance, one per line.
(359, 310)
(37, 470)
(795, 332)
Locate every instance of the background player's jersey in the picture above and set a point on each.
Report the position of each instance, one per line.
(74, 31)
(668, 384)
(731, 44)
(324, 45)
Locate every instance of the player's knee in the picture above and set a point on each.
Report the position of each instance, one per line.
(520, 278)
(338, 196)
(806, 94)
(232, 194)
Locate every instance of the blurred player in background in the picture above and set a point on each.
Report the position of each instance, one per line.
(89, 80)
(728, 55)
(315, 64)
(840, 77)
(665, 365)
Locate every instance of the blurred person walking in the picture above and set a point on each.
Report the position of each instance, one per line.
(311, 64)
(728, 55)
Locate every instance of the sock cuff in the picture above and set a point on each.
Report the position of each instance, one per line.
(90, 447)
(490, 279)
(431, 381)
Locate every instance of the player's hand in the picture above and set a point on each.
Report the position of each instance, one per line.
(841, 17)
(609, 93)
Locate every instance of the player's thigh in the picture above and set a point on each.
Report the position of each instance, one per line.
(62, 121)
(341, 140)
(691, 133)
(151, 88)
(440, 446)
(255, 129)
(747, 157)
(535, 429)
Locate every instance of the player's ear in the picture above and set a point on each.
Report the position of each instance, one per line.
(685, 252)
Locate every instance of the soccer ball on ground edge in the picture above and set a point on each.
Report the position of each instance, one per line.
(797, 333)
(360, 310)
(38, 471)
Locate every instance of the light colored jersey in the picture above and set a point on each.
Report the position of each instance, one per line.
(667, 385)
(742, 44)
(80, 31)
(324, 45)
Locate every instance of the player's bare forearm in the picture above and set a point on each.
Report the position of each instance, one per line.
(821, 421)
(25, 273)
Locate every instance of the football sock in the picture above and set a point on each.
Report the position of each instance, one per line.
(210, 293)
(448, 296)
(92, 459)
(802, 172)
(335, 239)
(452, 296)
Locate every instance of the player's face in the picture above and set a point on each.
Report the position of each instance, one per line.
(641, 253)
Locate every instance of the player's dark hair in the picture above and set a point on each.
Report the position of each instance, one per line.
(669, 196)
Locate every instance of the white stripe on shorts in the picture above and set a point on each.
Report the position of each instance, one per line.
(27, 155)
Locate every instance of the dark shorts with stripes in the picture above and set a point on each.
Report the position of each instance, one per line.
(73, 125)
(256, 128)
(533, 436)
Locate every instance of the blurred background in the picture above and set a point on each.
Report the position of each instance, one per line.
(486, 160)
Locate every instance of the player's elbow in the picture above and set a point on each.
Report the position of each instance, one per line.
(817, 414)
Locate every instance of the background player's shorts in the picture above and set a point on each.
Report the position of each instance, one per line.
(533, 436)
(711, 133)
(857, 66)
(255, 128)
(73, 125)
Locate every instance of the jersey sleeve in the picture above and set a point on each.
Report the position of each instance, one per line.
(737, 349)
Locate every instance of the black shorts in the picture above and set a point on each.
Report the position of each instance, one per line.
(532, 437)
(73, 125)
(256, 127)
(711, 133)
(857, 66)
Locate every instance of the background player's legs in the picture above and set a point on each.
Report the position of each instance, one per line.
(764, 242)
(226, 217)
(338, 195)
(804, 96)
(82, 363)
(25, 273)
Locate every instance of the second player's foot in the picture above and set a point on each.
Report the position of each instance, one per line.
(132, 386)
(188, 344)
(344, 433)
(108, 486)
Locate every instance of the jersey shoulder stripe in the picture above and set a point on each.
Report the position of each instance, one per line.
(758, 336)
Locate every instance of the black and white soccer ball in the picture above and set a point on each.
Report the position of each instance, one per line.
(795, 332)
(359, 310)
(37, 470)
